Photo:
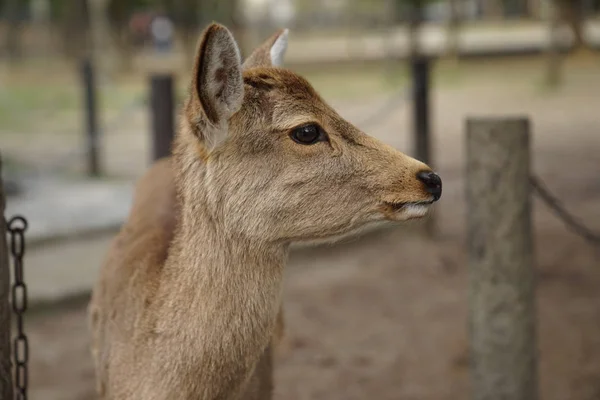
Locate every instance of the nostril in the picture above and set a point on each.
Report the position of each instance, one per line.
(433, 183)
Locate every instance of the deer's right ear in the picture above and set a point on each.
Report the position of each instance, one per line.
(270, 53)
(217, 84)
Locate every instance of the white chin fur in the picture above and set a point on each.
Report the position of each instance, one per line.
(414, 210)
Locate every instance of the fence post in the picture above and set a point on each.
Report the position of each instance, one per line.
(502, 320)
(91, 119)
(162, 114)
(420, 66)
(6, 385)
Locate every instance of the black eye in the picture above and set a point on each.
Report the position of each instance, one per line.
(308, 134)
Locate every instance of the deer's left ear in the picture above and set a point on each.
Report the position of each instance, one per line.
(270, 53)
(217, 84)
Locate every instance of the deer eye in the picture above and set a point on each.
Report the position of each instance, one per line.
(308, 134)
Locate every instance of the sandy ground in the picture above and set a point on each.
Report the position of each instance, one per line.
(385, 316)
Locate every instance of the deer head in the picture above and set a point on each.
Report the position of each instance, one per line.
(269, 159)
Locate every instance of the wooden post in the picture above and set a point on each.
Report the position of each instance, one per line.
(91, 117)
(6, 385)
(162, 114)
(502, 321)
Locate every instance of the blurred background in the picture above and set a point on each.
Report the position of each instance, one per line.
(383, 316)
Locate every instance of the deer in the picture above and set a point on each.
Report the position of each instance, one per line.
(188, 302)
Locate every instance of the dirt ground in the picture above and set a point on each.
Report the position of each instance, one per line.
(385, 316)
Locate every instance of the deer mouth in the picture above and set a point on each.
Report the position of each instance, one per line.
(406, 210)
(406, 205)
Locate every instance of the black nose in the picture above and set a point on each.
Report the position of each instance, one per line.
(433, 183)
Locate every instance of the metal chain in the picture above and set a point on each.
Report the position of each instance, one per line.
(569, 220)
(16, 228)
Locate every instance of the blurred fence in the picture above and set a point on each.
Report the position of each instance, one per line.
(46, 104)
(53, 138)
(34, 29)
(46, 125)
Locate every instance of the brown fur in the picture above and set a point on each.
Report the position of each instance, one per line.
(188, 303)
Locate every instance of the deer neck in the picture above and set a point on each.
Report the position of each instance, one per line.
(219, 297)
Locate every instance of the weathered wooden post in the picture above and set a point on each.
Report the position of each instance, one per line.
(162, 114)
(6, 386)
(502, 317)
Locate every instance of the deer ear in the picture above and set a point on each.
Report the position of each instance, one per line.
(270, 53)
(217, 85)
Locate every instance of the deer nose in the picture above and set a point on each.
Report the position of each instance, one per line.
(433, 183)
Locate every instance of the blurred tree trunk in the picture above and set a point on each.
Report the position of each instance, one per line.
(100, 35)
(230, 13)
(414, 26)
(186, 16)
(203, 12)
(493, 9)
(40, 16)
(571, 14)
(454, 20)
(124, 47)
(74, 28)
(533, 9)
(12, 41)
(119, 12)
(413, 9)
(554, 70)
